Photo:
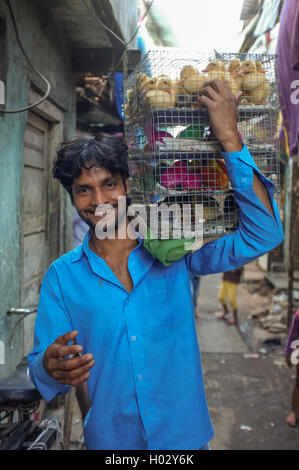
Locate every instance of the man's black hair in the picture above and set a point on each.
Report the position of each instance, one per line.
(106, 152)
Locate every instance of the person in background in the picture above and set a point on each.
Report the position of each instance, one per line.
(293, 335)
(228, 289)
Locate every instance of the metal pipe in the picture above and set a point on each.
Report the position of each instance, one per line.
(21, 311)
(24, 312)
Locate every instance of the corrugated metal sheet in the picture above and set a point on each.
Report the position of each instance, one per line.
(249, 9)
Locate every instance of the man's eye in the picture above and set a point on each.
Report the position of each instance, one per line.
(110, 185)
(82, 190)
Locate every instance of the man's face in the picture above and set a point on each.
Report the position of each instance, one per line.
(95, 188)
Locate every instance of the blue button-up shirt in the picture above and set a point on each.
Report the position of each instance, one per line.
(146, 387)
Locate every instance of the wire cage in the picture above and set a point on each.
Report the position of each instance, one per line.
(174, 157)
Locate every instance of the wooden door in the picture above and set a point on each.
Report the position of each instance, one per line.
(34, 218)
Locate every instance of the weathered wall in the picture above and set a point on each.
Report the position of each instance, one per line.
(49, 53)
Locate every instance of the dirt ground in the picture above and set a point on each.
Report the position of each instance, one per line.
(248, 390)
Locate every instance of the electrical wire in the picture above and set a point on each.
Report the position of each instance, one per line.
(31, 66)
(125, 44)
(126, 47)
(95, 17)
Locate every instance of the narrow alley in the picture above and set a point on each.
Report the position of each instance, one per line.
(248, 391)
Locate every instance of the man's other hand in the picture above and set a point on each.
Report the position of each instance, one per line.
(68, 371)
(222, 106)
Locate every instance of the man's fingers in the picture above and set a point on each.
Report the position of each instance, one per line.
(75, 382)
(66, 338)
(210, 92)
(205, 101)
(58, 351)
(238, 96)
(68, 376)
(72, 363)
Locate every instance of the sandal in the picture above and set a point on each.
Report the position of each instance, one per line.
(232, 321)
(222, 316)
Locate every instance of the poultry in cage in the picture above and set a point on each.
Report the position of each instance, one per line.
(169, 136)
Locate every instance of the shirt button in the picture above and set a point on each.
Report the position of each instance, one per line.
(133, 338)
(139, 377)
(244, 180)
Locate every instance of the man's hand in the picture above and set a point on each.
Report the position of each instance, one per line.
(222, 106)
(72, 371)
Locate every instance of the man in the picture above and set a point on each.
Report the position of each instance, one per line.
(133, 318)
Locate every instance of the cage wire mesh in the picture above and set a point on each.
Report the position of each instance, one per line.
(175, 161)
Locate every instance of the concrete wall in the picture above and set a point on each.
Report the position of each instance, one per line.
(49, 53)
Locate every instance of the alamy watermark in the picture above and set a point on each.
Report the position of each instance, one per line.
(295, 94)
(156, 221)
(2, 92)
(295, 353)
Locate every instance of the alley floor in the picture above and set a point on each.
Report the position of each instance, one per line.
(248, 390)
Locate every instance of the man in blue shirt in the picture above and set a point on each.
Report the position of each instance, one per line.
(133, 318)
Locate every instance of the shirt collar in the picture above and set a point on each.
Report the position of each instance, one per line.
(139, 262)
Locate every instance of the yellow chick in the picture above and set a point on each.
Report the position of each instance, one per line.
(193, 84)
(254, 83)
(232, 76)
(141, 80)
(149, 85)
(130, 94)
(191, 81)
(259, 67)
(234, 67)
(128, 112)
(156, 98)
(166, 84)
(187, 71)
(214, 69)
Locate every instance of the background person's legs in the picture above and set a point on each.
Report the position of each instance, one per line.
(222, 294)
(232, 296)
(291, 419)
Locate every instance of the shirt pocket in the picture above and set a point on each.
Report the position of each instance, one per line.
(163, 285)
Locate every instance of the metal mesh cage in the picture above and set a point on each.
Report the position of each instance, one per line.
(174, 158)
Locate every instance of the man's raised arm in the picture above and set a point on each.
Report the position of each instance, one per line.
(259, 229)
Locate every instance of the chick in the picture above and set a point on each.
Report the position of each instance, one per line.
(156, 98)
(214, 69)
(166, 84)
(193, 84)
(130, 94)
(232, 76)
(141, 79)
(259, 67)
(254, 84)
(187, 71)
(234, 67)
(150, 84)
(128, 112)
(190, 83)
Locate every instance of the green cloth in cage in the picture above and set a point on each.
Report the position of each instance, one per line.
(194, 131)
(166, 251)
